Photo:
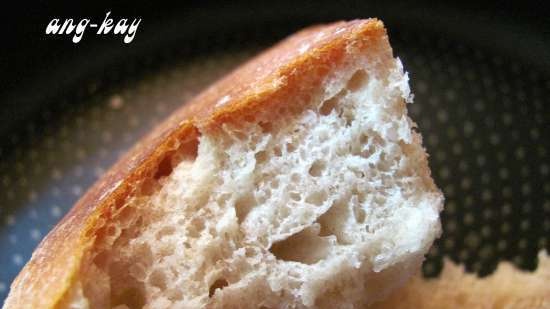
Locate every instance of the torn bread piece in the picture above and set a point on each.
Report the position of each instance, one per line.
(297, 181)
(507, 288)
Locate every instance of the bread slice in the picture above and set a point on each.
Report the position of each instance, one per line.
(506, 288)
(296, 181)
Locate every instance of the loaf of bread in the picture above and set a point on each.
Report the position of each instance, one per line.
(506, 288)
(297, 181)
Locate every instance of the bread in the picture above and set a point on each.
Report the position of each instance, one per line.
(506, 288)
(295, 181)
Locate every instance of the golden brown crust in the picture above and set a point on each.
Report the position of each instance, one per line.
(506, 288)
(296, 64)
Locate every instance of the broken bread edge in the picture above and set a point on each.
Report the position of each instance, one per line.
(507, 287)
(287, 70)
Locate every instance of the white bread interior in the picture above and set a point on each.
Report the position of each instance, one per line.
(331, 207)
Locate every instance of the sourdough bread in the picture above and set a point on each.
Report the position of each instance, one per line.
(297, 181)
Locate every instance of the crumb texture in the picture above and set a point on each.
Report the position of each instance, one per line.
(328, 204)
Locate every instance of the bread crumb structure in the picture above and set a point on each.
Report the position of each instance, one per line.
(316, 195)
